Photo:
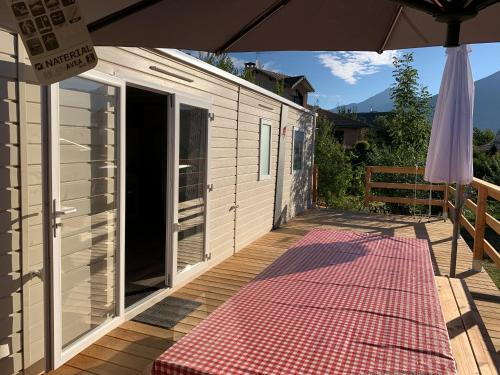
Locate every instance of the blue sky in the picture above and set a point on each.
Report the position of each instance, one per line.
(346, 77)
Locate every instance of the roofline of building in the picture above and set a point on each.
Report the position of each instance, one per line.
(304, 79)
(193, 61)
(355, 123)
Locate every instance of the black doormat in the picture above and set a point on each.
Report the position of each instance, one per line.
(168, 312)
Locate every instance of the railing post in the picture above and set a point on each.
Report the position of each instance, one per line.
(368, 186)
(457, 213)
(445, 206)
(482, 200)
(315, 185)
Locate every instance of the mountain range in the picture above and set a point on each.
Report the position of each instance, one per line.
(486, 103)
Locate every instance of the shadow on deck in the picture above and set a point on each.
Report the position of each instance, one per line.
(131, 348)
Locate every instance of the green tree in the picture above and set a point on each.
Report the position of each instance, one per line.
(220, 60)
(249, 75)
(280, 87)
(409, 126)
(482, 136)
(487, 166)
(351, 113)
(334, 166)
(225, 62)
(378, 134)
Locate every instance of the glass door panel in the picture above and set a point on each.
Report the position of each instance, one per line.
(192, 186)
(85, 211)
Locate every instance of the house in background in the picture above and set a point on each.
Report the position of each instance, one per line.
(294, 88)
(346, 130)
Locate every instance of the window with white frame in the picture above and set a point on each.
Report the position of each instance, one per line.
(298, 150)
(265, 150)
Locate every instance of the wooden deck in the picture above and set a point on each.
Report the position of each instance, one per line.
(131, 348)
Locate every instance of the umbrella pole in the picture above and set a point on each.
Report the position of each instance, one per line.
(456, 228)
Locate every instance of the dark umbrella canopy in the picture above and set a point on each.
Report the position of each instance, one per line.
(270, 25)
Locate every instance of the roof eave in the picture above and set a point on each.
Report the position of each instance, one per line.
(304, 80)
(193, 61)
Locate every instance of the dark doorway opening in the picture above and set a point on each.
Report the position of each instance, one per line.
(145, 202)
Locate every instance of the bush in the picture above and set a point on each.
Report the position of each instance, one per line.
(345, 203)
(482, 136)
(487, 166)
(334, 168)
(361, 146)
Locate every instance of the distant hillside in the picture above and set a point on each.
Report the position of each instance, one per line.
(380, 102)
(486, 103)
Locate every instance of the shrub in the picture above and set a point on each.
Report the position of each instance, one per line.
(334, 166)
(362, 146)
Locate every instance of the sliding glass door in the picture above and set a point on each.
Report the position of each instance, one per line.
(191, 187)
(87, 215)
(85, 123)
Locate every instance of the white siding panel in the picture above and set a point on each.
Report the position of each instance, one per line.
(10, 241)
(223, 129)
(255, 198)
(234, 173)
(297, 184)
(34, 253)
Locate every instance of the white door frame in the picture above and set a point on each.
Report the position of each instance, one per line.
(174, 278)
(60, 356)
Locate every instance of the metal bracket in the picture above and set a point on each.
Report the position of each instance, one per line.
(36, 273)
(211, 116)
(208, 256)
(210, 187)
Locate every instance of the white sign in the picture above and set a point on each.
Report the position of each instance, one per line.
(55, 36)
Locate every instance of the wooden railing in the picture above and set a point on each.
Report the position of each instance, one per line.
(484, 190)
(477, 230)
(369, 185)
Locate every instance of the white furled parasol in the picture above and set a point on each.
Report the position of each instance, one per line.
(449, 159)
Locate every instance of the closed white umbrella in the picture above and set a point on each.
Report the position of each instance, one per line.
(449, 159)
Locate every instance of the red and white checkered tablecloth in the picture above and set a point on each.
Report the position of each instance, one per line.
(336, 302)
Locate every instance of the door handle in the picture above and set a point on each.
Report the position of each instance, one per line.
(65, 211)
(58, 213)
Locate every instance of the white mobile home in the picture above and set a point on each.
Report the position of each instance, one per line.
(122, 184)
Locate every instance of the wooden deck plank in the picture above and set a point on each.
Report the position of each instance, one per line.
(460, 345)
(141, 338)
(473, 326)
(118, 357)
(99, 367)
(141, 342)
(69, 370)
(130, 347)
(152, 330)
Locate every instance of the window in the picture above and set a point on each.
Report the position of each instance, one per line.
(298, 98)
(265, 150)
(339, 136)
(298, 150)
